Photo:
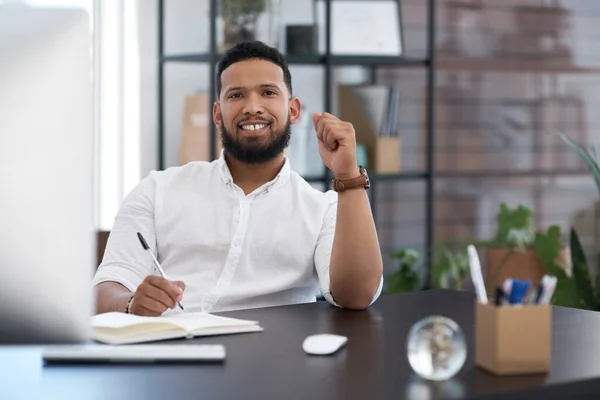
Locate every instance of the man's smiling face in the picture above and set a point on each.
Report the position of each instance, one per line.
(254, 112)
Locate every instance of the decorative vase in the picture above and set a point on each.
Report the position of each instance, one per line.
(248, 20)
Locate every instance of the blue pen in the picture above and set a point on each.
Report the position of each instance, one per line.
(518, 291)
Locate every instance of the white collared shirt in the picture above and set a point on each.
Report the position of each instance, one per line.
(233, 251)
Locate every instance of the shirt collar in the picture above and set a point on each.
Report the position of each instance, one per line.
(282, 177)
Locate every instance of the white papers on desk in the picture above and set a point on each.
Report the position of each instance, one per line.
(121, 328)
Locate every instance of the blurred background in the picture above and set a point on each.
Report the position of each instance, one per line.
(456, 103)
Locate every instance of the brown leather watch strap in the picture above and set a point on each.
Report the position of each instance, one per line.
(358, 182)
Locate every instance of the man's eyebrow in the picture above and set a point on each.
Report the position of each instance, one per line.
(231, 89)
(261, 86)
(269, 85)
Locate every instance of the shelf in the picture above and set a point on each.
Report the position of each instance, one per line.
(415, 175)
(379, 61)
(316, 59)
(457, 63)
(446, 63)
(408, 175)
(532, 173)
(194, 58)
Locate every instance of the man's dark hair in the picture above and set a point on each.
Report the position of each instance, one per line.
(251, 51)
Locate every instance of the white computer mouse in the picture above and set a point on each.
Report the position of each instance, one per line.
(323, 344)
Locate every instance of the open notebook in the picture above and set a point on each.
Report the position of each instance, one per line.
(121, 328)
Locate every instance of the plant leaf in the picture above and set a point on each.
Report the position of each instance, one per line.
(566, 294)
(547, 246)
(514, 226)
(440, 269)
(449, 268)
(581, 272)
(585, 155)
(405, 278)
(408, 256)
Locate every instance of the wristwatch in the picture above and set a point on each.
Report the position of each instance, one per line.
(361, 181)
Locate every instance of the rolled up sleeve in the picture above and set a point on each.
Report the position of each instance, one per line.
(125, 261)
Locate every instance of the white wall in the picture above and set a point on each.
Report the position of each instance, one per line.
(147, 28)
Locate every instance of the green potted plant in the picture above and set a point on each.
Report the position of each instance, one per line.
(576, 289)
(449, 270)
(512, 252)
(586, 221)
(590, 158)
(548, 247)
(405, 278)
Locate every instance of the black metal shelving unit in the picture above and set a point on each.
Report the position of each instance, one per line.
(329, 61)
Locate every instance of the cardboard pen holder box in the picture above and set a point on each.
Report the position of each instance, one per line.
(513, 340)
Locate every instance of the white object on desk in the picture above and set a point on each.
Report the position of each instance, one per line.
(323, 344)
(476, 275)
(120, 328)
(133, 353)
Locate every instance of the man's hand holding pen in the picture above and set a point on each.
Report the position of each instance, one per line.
(164, 283)
(155, 295)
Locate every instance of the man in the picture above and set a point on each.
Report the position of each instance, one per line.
(244, 231)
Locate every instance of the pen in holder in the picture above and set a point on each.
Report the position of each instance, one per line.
(513, 339)
(512, 336)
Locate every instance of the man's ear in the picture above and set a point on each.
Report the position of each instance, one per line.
(217, 114)
(295, 107)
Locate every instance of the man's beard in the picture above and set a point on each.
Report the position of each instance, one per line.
(252, 150)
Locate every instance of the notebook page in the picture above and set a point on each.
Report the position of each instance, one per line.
(199, 320)
(187, 321)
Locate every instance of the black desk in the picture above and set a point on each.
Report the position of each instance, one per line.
(272, 364)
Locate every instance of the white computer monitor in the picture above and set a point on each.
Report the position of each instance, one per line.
(47, 242)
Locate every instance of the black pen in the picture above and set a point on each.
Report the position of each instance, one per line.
(146, 247)
(499, 296)
(534, 295)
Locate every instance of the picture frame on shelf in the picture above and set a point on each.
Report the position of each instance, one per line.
(350, 19)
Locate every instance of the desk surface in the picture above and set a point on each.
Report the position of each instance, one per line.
(272, 365)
